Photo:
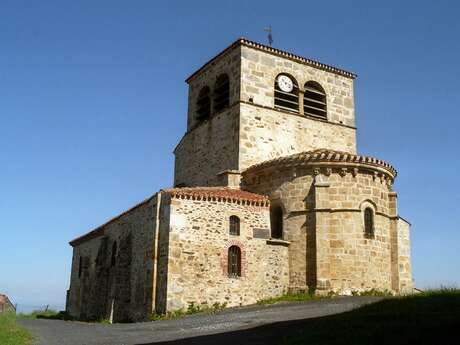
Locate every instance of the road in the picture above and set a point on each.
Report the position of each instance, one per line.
(245, 325)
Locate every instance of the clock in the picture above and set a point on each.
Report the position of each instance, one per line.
(285, 83)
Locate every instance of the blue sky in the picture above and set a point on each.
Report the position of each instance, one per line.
(93, 101)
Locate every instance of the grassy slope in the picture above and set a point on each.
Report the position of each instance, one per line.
(427, 318)
(11, 333)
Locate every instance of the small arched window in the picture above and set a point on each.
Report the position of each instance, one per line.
(113, 259)
(221, 93)
(276, 221)
(368, 222)
(234, 225)
(286, 93)
(314, 100)
(203, 104)
(80, 264)
(234, 262)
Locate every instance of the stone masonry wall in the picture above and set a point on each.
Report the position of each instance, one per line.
(324, 218)
(198, 244)
(128, 284)
(207, 150)
(404, 257)
(266, 134)
(259, 70)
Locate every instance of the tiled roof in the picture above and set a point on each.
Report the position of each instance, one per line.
(279, 52)
(324, 156)
(218, 194)
(100, 230)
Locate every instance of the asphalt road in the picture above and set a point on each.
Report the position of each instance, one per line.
(246, 325)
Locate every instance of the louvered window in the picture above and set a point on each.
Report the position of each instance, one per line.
(288, 100)
(221, 93)
(203, 104)
(234, 225)
(314, 101)
(234, 262)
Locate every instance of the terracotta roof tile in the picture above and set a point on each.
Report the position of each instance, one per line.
(325, 156)
(225, 194)
(279, 52)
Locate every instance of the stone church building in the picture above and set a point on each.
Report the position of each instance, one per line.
(270, 196)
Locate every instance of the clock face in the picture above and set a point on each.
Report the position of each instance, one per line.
(285, 83)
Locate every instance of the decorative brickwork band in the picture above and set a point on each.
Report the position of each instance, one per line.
(327, 158)
(220, 194)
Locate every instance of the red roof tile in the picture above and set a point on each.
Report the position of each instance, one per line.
(218, 193)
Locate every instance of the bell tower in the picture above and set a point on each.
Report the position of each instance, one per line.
(252, 103)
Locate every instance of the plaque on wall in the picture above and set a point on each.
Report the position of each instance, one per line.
(261, 233)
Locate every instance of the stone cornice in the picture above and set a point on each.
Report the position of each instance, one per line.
(278, 52)
(328, 159)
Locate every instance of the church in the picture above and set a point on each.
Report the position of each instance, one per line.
(270, 196)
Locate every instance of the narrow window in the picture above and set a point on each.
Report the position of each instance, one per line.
(79, 267)
(203, 104)
(234, 262)
(368, 222)
(276, 221)
(234, 225)
(314, 101)
(221, 93)
(286, 93)
(113, 260)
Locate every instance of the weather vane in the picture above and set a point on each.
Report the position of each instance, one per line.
(270, 37)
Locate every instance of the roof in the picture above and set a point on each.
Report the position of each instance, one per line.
(325, 156)
(5, 300)
(224, 194)
(100, 230)
(259, 46)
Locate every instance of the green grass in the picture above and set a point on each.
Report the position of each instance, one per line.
(11, 333)
(289, 297)
(191, 309)
(432, 317)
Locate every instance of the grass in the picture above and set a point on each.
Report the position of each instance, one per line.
(431, 317)
(191, 309)
(11, 333)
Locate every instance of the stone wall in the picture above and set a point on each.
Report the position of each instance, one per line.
(259, 70)
(207, 150)
(121, 286)
(404, 256)
(266, 134)
(323, 217)
(198, 244)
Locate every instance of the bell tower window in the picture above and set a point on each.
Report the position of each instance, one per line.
(221, 93)
(203, 104)
(314, 100)
(286, 93)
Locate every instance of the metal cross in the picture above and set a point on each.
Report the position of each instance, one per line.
(270, 37)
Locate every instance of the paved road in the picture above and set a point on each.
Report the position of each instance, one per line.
(246, 325)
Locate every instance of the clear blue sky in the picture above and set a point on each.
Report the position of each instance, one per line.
(93, 101)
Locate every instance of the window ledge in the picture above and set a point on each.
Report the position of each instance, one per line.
(278, 242)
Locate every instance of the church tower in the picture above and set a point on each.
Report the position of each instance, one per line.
(252, 103)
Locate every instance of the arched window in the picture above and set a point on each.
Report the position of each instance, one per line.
(314, 100)
(79, 267)
(234, 225)
(113, 259)
(203, 104)
(221, 93)
(276, 221)
(368, 222)
(286, 93)
(234, 262)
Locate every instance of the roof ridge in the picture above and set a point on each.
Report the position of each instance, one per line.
(256, 45)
